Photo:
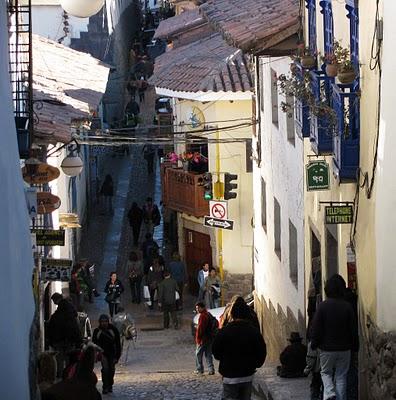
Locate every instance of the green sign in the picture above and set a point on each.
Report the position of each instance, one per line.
(338, 214)
(49, 237)
(317, 175)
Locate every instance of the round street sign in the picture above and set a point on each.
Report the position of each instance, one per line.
(45, 173)
(218, 209)
(47, 202)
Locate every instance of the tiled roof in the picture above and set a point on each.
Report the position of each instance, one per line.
(253, 25)
(206, 65)
(174, 25)
(76, 79)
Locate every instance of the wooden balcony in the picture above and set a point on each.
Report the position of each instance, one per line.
(181, 191)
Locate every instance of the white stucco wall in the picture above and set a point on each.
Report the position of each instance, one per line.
(16, 299)
(282, 170)
(386, 182)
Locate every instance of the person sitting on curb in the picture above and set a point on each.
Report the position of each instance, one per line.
(293, 358)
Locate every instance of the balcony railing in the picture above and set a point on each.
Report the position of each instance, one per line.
(347, 138)
(321, 132)
(181, 192)
(301, 108)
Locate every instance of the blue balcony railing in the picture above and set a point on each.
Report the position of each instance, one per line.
(321, 130)
(301, 108)
(347, 138)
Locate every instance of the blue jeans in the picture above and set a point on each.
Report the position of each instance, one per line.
(238, 391)
(334, 366)
(201, 349)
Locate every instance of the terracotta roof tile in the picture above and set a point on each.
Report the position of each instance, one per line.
(209, 64)
(174, 25)
(253, 25)
(76, 79)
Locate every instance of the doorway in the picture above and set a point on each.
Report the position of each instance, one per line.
(197, 251)
(331, 251)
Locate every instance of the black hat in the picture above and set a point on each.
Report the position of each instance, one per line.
(104, 317)
(295, 337)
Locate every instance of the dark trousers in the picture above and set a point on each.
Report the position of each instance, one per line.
(135, 284)
(113, 309)
(238, 391)
(179, 303)
(108, 371)
(316, 386)
(150, 162)
(169, 309)
(136, 233)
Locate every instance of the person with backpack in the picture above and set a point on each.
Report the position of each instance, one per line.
(204, 335)
(107, 337)
(241, 349)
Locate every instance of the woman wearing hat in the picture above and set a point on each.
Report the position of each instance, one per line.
(293, 358)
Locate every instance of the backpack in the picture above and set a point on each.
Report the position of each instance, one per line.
(212, 327)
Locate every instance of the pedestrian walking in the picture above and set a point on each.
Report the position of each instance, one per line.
(293, 358)
(107, 337)
(241, 349)
(203, 273)
(88, 279)
(107, 191)
(334, 333)
(135, 217)
(151, 216)
(150, 250)
(63, 331)
(76, 294)
(154, 277)
(135, 275)
(113, 290)
(204, 336)
(178, 272)
(149, 156)
(212, 287)
(226, 317)
(82, 386)
(167, 290)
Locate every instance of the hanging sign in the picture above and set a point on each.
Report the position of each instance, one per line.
(339, 214)
(31, 201)
(49, 237)
(47, 202)
(56, 269)
(44, 173)
(317, 175)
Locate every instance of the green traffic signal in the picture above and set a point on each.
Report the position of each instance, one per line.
(208, 186)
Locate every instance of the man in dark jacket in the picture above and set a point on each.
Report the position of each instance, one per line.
(177, 269)
(241, 349)
(107, 337)
(334, 332)
(293, 358)
(167, 299)
(63, 330)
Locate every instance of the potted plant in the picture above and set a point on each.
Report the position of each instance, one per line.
(306, 58)
(331, 65)
(346, 70)
(189, 157)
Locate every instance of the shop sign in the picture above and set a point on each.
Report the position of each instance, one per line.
(49, 237)
(31, 201)
(317, 175)
(45, 173)
(56, 269)
(339, 214)
(47, 202)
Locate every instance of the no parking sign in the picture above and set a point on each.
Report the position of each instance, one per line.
(218, 209)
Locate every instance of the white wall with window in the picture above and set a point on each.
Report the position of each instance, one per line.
(278, 201)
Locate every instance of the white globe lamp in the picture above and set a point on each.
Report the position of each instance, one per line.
(72, 165)
(82, 8)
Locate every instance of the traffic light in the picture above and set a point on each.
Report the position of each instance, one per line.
(229, 186)
(208, 186)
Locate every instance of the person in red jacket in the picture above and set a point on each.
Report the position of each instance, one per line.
(203, 340)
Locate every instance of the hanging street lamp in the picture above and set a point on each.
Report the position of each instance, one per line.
(82, 8)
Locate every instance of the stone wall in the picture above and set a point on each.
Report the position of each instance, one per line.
(378, 356)
(276, 325)
(240, 284)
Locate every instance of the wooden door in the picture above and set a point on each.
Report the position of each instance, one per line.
(197, 252)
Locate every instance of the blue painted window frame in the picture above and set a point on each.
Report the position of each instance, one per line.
(328, 25)
(312, 35)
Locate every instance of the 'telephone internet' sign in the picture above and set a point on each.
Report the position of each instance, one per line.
(338, 214)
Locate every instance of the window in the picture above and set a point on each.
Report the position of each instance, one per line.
(249, 161)
(290, 122)
(311, 6)
(260, 84)
(263, 205)
(277, 228)
(328, 25)
(293, 254)
(274, 97)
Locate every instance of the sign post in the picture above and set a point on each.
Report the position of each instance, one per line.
(218, 209)
(339, 214)
(317, 175)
